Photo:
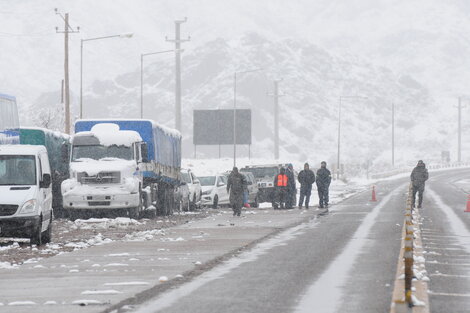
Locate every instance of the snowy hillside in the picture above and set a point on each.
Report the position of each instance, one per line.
(312, 81)
(407, 44)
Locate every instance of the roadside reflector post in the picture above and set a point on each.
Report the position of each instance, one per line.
(408, 256)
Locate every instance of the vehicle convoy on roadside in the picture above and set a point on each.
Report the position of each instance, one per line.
(214, 190)
(194, 185)
(264, 176)
(25, 193)
(129, 167)
(56, 143)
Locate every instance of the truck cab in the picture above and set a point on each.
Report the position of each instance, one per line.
(25, 193)
(105, 172)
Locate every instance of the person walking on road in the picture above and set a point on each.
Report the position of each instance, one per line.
(236, 186)
(291, 187)
(419, 176)
(323, 184)
(281, 182)
(306, 179)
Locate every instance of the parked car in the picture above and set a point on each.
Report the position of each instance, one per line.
(252, 186)
(194, 185)
(182, 196)
(252, 189)
(214, 190)
(25, 193)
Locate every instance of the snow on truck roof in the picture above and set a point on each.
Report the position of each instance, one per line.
(169, 131)
(106, 134)
(48, 131)
(21, 149)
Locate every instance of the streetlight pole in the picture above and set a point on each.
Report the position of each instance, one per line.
(339, 129)
(178, 41)
(142, 55)
(235, 110)
(125, 35)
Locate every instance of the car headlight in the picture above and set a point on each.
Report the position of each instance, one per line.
(207, 192)
(28, 207)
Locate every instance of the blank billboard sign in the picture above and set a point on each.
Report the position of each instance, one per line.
(215, 127)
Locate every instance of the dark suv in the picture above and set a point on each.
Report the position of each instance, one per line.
(264, 175)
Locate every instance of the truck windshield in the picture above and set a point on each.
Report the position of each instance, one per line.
(17, 170)
(261, 172)
(207, 180)
(96, 152)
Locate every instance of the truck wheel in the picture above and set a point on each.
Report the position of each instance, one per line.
(187, 208)
(216, 202)
(170, 201)
(136, 213)
(47, 235)
(193, 203)
(36, 238)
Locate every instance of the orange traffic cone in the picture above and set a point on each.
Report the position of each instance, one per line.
(468, 204)
(374, 197)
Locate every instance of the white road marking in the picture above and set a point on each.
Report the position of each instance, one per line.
(457, 226)
(325, 294)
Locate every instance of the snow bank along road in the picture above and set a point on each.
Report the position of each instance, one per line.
(343, 261)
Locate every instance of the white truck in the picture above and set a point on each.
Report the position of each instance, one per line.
(25, 193)
(122, 166)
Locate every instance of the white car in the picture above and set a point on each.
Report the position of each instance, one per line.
(25, 193)
(195, 191)
(214, 190)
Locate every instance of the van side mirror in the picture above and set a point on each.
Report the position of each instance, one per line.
(46, 181)
(144, 152)
(65, 153)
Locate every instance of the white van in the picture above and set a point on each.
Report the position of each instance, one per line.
(25, 193)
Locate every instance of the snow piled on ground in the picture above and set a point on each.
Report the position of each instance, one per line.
(105, 223)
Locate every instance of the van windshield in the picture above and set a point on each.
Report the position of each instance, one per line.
(17, 170)
(97, 152)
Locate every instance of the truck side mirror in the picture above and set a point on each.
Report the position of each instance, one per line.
(65, 153)
(46, 181)
(144, 152)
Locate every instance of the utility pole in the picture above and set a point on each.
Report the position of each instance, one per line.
(66, 31)
(393, 134)
(276, 97)
(459, 152)
(178, 42)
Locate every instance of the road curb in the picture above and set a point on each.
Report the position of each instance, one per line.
(419, 291)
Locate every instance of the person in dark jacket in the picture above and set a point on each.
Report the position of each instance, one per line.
(419, 176)
(306, 179)
(236, 186)
(291, 187)
(281, 182)
(323, 184)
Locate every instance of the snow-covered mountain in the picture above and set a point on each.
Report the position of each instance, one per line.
(420, 43)
(312, 80)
